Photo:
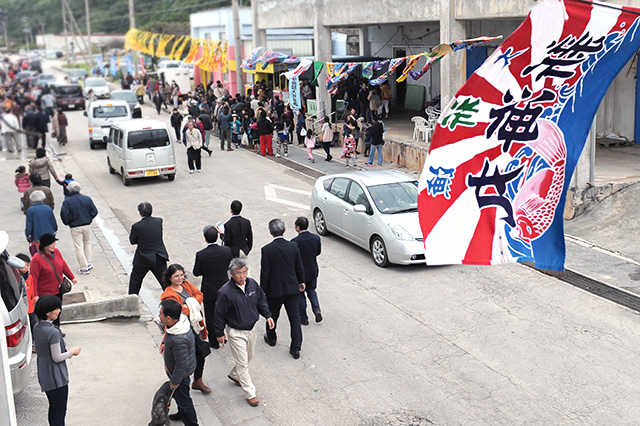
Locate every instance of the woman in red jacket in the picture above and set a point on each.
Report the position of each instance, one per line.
(45, 279)
(179, 289)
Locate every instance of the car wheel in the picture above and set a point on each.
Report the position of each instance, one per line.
(125, 181)
(171, 177)
(379, 252)
(111, 169)
(92, 145)
(320, 222)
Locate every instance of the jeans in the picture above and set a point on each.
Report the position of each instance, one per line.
(57, 405)
(375, 148)
(225, 135)
(292, 306)
(310, 290)
(185, 404)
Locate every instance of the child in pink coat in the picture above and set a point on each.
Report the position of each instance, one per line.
(22, 181)
(310, 143)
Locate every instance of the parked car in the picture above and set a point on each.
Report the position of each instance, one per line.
(27, 76)
(69, 96)
(76, 75)
(35, 65)
(376, 210)
(130, 97)
(99, 86)
(14, 310)
(45, 79)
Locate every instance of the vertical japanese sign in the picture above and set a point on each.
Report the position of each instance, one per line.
(494, 182)
(294, 93)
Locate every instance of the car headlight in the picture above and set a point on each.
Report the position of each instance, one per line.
(400, 233)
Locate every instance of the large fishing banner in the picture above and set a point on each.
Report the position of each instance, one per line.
(495, 180)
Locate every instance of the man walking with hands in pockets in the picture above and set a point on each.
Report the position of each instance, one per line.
(240, 302)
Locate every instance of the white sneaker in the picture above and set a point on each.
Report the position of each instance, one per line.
(277, 155)
(286, 154)
(89, 266)
(83, 271)
(191, 172)
(198, 170)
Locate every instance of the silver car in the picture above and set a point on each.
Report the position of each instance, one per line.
(14, 310)
(99, 86)
(376, 210)
(130, 97)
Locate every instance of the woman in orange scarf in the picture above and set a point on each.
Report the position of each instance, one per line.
(179, 289)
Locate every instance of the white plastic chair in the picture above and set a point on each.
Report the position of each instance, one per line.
(421, 127)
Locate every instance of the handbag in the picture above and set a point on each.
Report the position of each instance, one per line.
(65, 285)
(202, 348)
(303, 132)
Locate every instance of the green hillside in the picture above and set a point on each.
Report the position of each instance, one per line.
(110, 16)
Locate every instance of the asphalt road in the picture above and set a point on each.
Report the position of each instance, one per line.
(416, 345)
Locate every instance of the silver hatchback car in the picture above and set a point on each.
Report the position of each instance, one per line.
(376, 210)
(14, 311)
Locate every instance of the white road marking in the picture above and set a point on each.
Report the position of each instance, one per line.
(270, 194)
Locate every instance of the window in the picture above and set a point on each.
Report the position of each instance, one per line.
(148, 139)
(112, 135)
(339, 187)
(357, 196)
(10, 284)
(327, 184)
(397, 197)
(119, 138)
(110, 111)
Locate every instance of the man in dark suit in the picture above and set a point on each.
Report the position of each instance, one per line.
(310, 247)
(212, 264)
(282, 279)
(237, 232)
(151, 254)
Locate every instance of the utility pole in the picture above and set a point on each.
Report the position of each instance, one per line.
(71, 24)
(44, 39)
(64, 27)
(132, 24)
(86, 9)
(237, 46)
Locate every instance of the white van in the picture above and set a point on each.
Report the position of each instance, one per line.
(101, 115)
(139, 149)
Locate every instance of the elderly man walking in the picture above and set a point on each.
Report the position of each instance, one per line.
(40, 220)
(179, 351)
(77, 212)
(240, 302)
(282, 279)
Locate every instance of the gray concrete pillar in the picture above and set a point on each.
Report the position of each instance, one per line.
(322, 48)
(363, 40)
(259, 35)
(453, 68)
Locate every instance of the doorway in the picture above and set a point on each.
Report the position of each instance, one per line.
(401, 88)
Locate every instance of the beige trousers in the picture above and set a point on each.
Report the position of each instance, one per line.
(241, 343)
(81, 236)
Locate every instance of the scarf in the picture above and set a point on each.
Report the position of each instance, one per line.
(181, 327)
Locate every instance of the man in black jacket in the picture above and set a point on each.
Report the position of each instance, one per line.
(310, 247)
(151, 254)
(29, 125)
(282, 279)
(42, 121)
(179, 351)
(176, 123)
(212, 264)
(77, 212)
(265, 131)
(237, 232)
(240, 302)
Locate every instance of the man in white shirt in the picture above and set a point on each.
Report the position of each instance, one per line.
(10, 130)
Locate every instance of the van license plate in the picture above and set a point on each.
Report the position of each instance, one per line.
(151, 173)
(71, 106)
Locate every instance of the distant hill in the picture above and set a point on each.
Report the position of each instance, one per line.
(165, 16)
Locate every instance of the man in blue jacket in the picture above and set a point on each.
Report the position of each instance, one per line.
(240, 303)
(77, 212)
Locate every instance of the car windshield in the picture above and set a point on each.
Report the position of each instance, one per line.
(10, 284)
(169, 65)
(96, 82)
(148, 139)
(110, 111)
(77, 73)
(46, 77)
(397, 197)
(124, 96)
(69, 90)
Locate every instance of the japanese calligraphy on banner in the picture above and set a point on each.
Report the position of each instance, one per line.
(294, 93)
(495, 180)
(210, 55)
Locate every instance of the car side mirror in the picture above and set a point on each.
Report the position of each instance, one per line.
(85, 114)
(105, 139)
(360, 208)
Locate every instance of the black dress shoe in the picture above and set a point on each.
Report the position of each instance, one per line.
(214, 344)
(175, 416)
(294, 354)
(269, 342)
(304, 321)
(318, 317)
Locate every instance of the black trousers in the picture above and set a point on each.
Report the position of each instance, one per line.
(194, 156)
(140, 271)
(177, 129)
(41, 135)
(57, 405)
(292, 306)
(209, 314)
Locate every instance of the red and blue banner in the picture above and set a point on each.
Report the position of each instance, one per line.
(495, 180)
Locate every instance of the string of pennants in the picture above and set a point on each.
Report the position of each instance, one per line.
(213, 57)
(339, 71)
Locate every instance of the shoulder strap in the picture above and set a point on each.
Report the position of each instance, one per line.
(52, 267)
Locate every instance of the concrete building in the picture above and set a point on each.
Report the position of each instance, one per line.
(98, 40)
(396, 28)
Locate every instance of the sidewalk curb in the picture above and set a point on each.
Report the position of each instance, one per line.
(127, 306)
